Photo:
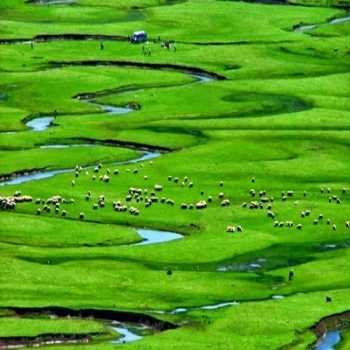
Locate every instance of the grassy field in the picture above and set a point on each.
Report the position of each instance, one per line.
(242, 107)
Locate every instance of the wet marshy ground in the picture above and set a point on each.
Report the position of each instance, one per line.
(130, 327)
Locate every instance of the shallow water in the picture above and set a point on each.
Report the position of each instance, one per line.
(305, 28)
(115, 110)
(329, 341)
(217, 306)
(182, 310)
(340, 20)
(333, 246)
(59, 146)
(40, 175)
(242, 267)
(202, 78)
(41, 344)
(127, 335)
(112, 110)
(36, 124)
(144, 157)
(43, 123)
(309, 27)
(151, 236)
(40, 124)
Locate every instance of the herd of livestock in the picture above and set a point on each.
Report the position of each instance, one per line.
(138, 198)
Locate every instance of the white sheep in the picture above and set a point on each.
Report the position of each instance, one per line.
(201, 204)
(158, 187)
(230, 229)
(225, 202)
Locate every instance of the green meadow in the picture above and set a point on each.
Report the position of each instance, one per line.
(236, 138)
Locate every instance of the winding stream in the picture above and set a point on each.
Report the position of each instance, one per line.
(128, 334)
(112, 110)
(329, 331)
(302, 28)
(182, 310)
(40, 124)
(329, 341)
(44, 174)
(242, 267)
(130, 326)
(340, 20)
(55, 2)
(151, 236)
(43, 123)
(61, 146)
(211, 307)
(116, 110)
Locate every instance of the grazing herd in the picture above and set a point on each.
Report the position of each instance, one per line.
(260, 200)
(9, 203)
(137, 199)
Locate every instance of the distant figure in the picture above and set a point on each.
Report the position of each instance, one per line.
(31, 45)
(328, 299)
(102, 45)
(146, 50)
(174, 47)
(169, 272)
(290, 275)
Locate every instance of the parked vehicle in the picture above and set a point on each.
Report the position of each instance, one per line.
(139, 37)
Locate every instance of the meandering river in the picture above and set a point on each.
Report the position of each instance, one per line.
(302, 28)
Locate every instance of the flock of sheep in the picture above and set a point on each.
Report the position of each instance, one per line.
(138, 198)
(134, 200)
(261, 201)
(9, 203)
(144, 195)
